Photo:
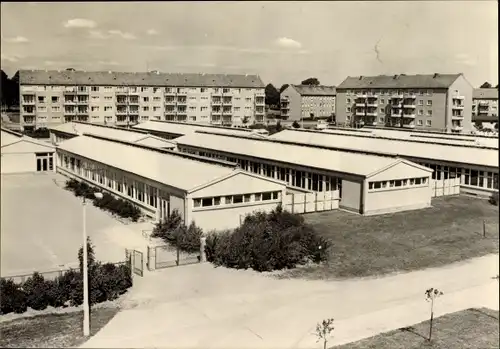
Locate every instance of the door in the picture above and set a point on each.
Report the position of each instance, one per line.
(44, 164)
(39, 164)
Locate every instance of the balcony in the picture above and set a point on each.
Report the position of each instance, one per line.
(396, 115)
(410, 95)
(82, 92)
(361, 95)
(182, 117)
(484, 103)
(121, 102)
(80, 102)
(170, 94)
(409, 116)
(121, 93)
(172, 102)
(216, 102)
(457, 117)
(458, 97)
(69, 102)
(397, 106)
(285, 107)
(409, 106)
(260, 101)
(457, 127)
(82, 112)
(397, 96)
(29, 112)
(457, 106)
(29, 102)
(360, 104)
(133, 93)
(409, 125)
(84, 118)
(69, 93)
(371, 113)
(372, 104)
(181, 93)
(121, 112)
(29, 120)
(360, 113)
(227, 102)
(133, 102)
(181, 102)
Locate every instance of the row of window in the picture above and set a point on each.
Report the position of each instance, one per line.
(235, 199)
(296, 178)
(420, 112)
(397, 183)
(116, 181)
(482, 179)
(133, 89)
(389, 92)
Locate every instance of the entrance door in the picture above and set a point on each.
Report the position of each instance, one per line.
(340, 189)
(44, 164)
(39, 164)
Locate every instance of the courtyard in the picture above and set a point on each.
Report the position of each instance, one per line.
(449, 231)
(41, 226)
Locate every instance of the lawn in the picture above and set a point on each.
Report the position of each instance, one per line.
(448, 232)
(471, 329)
(52, 330)
(41, 226)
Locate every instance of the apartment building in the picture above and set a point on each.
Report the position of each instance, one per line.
(307, 101)
(438, 102)
(485, 104)
(49, 98)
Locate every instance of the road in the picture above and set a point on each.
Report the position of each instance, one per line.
(200, 306)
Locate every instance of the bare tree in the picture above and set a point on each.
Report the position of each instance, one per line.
(430, 295)
(324, 331)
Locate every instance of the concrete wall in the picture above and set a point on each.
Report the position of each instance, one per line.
(228, 217)
(351, 195)
(320, 106)
(18, 163)
(294, 104)
(463, 88)
(397, 199)
(178, 203)
(340, 108)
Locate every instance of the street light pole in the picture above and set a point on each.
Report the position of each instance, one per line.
(86, 308)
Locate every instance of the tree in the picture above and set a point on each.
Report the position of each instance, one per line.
(9, 90)
(324, 330)
(272, 95)
(284, 87)
(430, 295)
(295, 124)
(310, 81)
(485, 85)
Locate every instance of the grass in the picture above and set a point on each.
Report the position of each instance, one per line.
(52, 330)
(471, 329)
(448, 232)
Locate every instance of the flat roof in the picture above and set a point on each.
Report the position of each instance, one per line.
(182, 128)
(451, 139)
(331, 160)
(169, 169)
(442, 152)
(78, 128)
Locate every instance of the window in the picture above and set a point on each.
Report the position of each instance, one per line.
(428, 122)
(144, 89)
(145, 108)
(247, 198)
(229, 200)
(258, 197)
(429, 102)
(41, 99)
(420, 102)
(381, 110)
(348, 109)
(348, 101)
(206, 202)
(420, 122)
(429, 112)
(196, 202)
(420, 112)
(429, 92)
(418, 181)
(94, 88)
(266, 196)
(55, 99)
(107, 108)
(94, 108)
(398, 183)
(203, 89)
(275, 195)
(56, 109)
(237, 199)
(217, 200)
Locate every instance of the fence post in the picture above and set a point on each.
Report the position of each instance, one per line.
(203, 243)
(484, 228)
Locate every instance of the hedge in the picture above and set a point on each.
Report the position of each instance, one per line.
(494, 199)
(267, 241)
(122, 208)
(174, 232)
(106, 282)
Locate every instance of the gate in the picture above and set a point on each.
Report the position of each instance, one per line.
(137, 263)
(166, 256)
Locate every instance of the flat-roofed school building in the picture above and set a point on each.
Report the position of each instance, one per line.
(22, 154)
(73, 129)
(212, 193)
(172, 130)
(365, 184)
(470, 169)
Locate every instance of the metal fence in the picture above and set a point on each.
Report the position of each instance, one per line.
(166, 256)
(47, 275)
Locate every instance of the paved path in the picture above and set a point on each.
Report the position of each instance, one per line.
(200, 306)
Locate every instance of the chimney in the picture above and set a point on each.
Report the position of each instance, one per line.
(360, 77)
(435, 75)
(395, 76)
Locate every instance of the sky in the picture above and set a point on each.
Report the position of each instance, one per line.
(282, 42)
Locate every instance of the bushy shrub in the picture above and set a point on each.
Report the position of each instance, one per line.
(267, 241)
(494, 199)
(108, 202)
(174, 232)
(13, 298)
(106, 282)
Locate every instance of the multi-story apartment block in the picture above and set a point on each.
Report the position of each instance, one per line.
(123, 99)
(485, 104)
(307, 101)
(432, 102)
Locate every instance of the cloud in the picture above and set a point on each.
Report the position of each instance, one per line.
(16, 40)
(465, 59)
(97, 34)
(288, 43)
(152, 32)
(7, 58)
(108, 63)
(123, 35)
(80, 23)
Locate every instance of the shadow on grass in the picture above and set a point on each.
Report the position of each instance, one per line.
(411, 329)
(484, 313)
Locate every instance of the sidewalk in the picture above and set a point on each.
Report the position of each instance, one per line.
(283, 313)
